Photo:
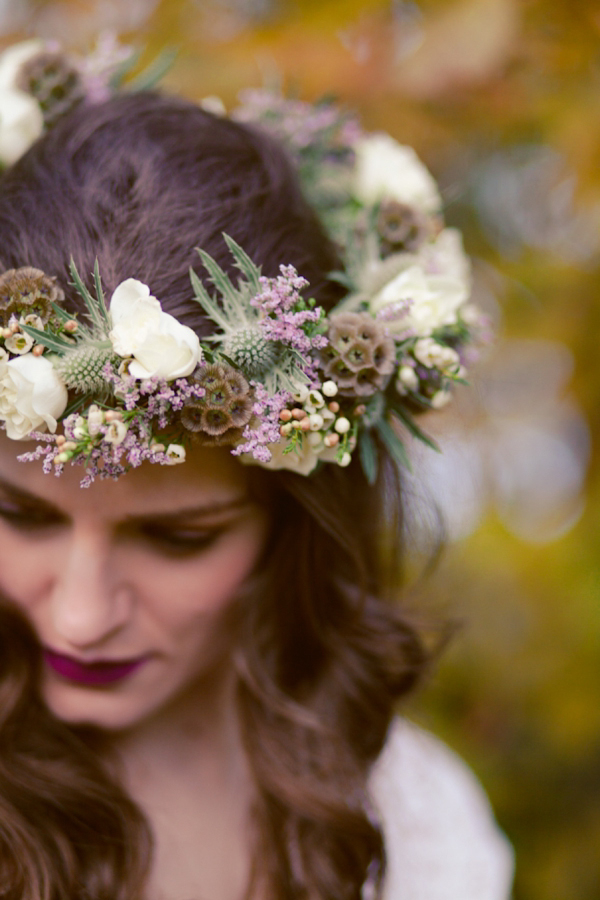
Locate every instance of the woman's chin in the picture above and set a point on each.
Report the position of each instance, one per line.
(112, 706)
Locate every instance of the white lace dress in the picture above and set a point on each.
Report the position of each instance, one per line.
(442, 841)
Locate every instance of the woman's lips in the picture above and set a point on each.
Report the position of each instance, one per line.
(97, 673)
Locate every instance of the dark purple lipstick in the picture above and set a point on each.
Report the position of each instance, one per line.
(97, 673)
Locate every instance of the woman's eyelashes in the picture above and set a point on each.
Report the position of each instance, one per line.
(176, 542)
(29, 517)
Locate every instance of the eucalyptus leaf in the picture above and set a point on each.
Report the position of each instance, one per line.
(393, 443)
(367, 450)
(155, 72)
(408, 421)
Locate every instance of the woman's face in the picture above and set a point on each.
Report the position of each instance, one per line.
(126, 583)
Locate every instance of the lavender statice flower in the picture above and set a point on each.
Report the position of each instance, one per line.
(302, 126)
(285, 318)
(266, 409)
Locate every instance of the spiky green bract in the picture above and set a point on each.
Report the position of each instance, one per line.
(81, 368)
(245, 323)
(251, 351)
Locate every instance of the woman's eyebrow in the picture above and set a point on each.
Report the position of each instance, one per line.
(24, 496)
(205, 510)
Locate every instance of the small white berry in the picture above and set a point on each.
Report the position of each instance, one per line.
(316, 422)
(345, 460)
(330, 388)
(314, 439)
(342, 425)
(301, 394)
(316, 399)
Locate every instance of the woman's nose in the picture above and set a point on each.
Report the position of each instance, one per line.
(89, 601)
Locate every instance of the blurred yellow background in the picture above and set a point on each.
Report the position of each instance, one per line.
(501, 98)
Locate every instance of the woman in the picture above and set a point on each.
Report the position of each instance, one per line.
(201, 662)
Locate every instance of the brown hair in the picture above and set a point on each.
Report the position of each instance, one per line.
(323, 654)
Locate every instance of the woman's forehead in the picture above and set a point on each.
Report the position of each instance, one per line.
(209, 477)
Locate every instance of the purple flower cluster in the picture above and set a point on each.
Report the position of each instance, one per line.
(285, 313)
(303, 126)
(266, 409)
(158, 396)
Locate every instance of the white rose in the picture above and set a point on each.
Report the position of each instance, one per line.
(32, 396)
(432, 301)
(12, 60)
(434, 355)
(159, 344)
(446, 256)
(21, 123)
(388, 170)
(303, 462)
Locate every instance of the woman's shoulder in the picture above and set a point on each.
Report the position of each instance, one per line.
(441, 839)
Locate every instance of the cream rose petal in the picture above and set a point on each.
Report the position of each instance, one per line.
(21, 123)
(14, 58)
(386, 169)
(159, 344)
(434, 300)
(32, 396)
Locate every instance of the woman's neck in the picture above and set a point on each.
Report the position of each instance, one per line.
(187, 771)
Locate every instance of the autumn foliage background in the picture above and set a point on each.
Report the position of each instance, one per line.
(501, 99)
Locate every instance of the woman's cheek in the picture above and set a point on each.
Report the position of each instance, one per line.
(26, 568)
(205, 584)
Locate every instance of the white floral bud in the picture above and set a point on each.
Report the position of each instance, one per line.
(315, 439)
(316, 399)
(440, 399)
(470, 314)
(33, 320)
(79, 433)
(285, 429)
(342, 426)
(434, 355)
(116, 433)
(345, 460)
(329, 388)
(327, 415)
(94, 420)
(175, 454)
(19, 343)
(316, 422)
(157, 447)
(408, 377)
(301, 394)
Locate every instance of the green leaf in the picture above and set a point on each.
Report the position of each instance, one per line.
(155, 72)
(393, 443)
(61, 313)
(53, 342)
(408, 421)
(207, 303)
(100, 292)
(91, 304)
(218, 277)
(126, 66)
(368, 456)
(243, 262)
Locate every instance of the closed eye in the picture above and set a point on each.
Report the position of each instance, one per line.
(30, 517)
(179, 542)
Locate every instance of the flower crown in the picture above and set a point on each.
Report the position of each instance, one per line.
(280, 381)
